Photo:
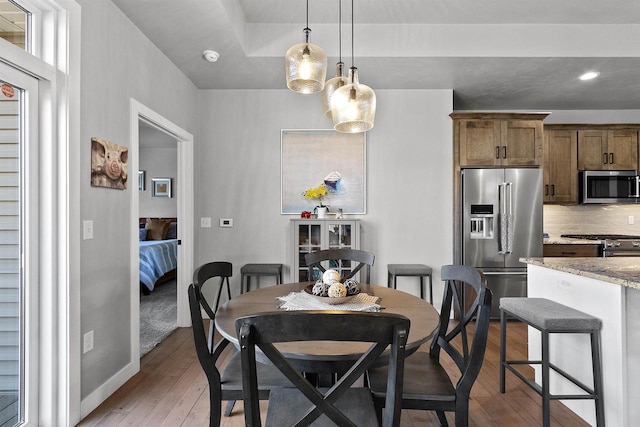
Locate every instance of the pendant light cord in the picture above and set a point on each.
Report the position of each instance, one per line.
(340, 30)
(352, 62)
(307, 30)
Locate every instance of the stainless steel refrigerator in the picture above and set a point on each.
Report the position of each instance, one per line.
(502, 222)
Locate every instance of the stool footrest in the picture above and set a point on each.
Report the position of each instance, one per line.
(590, 392)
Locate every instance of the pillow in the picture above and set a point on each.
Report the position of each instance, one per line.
(157, 228)
(143, 234)
(172, 232)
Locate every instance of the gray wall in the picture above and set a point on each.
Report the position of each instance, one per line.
(118, 63)
(409, 177)
(159, 162)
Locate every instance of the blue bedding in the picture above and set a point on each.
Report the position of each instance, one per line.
(157, 257)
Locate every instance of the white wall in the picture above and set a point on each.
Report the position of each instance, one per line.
(409, 178)
(118, 62)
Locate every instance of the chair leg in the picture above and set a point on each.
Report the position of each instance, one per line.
(422, 287)
(442, 418)
(431, 289)
(215, 407)
(229, 408)
(503, 347)
(388, 280)
(462, 412)
(597, 377)
(546, 417)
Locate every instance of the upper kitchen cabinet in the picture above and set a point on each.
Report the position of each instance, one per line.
(560, 166)
(607, 149)
(498, 139)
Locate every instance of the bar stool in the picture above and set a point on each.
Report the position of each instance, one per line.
(413, 270)
(551, 317)
(257, 270)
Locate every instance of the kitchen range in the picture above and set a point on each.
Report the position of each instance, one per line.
(614, 245)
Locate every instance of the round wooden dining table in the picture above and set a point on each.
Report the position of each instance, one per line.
(322, 357)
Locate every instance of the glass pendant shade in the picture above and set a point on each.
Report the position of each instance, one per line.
(353, 106)
(306, 66)
(330, 87)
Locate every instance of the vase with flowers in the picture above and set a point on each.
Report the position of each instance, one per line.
(317, 193)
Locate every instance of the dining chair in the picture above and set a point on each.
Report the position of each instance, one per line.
(342, 404)
(202, 274)
(427, 384)
(363, 258)
(225, 385)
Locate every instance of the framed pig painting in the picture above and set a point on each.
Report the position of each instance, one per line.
(108, 164)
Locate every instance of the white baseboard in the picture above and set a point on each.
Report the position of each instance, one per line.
(92, 401)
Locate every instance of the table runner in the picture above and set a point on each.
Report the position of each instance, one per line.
(303, 301)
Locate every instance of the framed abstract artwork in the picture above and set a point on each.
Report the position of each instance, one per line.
(161, 187)
(334, 161)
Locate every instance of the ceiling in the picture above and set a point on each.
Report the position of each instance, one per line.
(494, 54)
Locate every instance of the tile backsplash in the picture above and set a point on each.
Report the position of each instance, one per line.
(591, 219)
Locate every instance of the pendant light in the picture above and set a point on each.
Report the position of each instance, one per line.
(353, 106)
(306, 65)
(340, 79)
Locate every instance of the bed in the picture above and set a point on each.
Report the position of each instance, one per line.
(158, 252)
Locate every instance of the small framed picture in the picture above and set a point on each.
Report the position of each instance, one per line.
(141, 181)
(161, 187)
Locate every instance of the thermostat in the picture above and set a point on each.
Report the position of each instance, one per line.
(226, 222)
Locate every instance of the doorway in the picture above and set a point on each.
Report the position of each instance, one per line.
(184, 197)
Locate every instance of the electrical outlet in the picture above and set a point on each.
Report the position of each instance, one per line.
(205, 222)
(87, 342)
(226, 222)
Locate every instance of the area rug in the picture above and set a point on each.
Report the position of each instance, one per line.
(158, 316)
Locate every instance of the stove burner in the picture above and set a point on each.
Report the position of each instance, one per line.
(601, 236)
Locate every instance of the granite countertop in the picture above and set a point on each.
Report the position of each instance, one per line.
(624, 271)
(568, 241)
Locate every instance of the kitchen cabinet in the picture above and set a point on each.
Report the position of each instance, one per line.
(607, 149)
(310, 235)
(570, 250)
(498, 139)
(560, 166)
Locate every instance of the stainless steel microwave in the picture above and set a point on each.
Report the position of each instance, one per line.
(609, 187)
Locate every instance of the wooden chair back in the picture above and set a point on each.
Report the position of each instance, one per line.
(469, 360)
(207, 271)
(364, 259)
(380, 329)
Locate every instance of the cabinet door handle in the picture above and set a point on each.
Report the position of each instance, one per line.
(546, 189)
(504, 151)
(604, 158)
(610, 158)
(497, 152)
(553, 189)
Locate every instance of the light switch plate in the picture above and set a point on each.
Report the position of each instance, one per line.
(87, 229)
(226, 222)
(205, 222)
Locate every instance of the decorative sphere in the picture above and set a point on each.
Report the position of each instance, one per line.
(330, 276)
(353, 287)
(337, 290)
(320, 289)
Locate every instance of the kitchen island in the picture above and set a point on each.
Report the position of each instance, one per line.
(608, 288)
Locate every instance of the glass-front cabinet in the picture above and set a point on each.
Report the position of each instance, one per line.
(310, 235)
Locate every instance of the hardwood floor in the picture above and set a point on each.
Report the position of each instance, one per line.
(171, 390)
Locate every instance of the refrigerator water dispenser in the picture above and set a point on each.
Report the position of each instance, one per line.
(482, 222)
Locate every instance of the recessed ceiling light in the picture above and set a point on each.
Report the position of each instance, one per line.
(211, 55)
(590, 75)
